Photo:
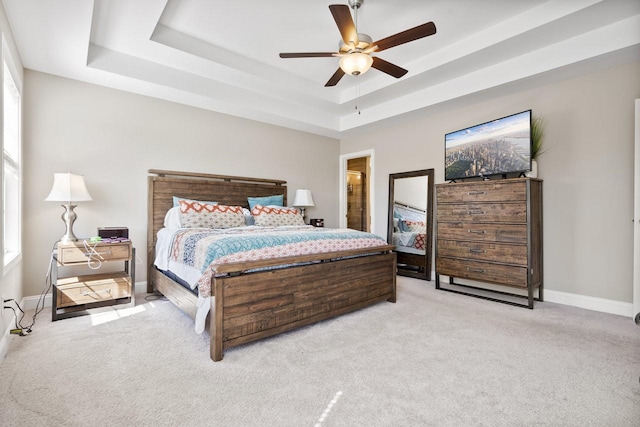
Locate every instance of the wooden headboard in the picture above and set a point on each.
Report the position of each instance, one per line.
(226, 190)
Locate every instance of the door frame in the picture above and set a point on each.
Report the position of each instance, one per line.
(343, 186)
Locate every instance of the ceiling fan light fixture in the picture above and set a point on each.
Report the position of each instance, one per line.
(354, 49)
(356, 63)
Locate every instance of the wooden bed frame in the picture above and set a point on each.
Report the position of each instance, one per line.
(251, 306)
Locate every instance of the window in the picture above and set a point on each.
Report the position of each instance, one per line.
(11, 173)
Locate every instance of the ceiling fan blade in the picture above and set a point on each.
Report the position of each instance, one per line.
(388, 67)
(345, 24)
(406, 36)
(307, 55)
(335, 78)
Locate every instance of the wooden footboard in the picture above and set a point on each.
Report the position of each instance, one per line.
(253, 306)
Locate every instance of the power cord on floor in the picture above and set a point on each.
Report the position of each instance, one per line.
(26, 330)
(155, 297)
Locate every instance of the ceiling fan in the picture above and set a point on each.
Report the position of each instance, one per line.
(356, 48)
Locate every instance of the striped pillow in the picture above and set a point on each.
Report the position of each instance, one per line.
(194, 214)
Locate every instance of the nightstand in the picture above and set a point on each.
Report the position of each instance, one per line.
(74, 294)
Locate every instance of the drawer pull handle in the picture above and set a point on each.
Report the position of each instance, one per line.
(87, 293)
(477, 251)
(97, 253)
(478, 231)
(476, 270)
(475, 212)
(477, 193)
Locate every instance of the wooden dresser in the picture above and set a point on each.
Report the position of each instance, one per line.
(491, 231)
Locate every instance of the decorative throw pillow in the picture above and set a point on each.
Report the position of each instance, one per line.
(415, 226)
(274, 216)
(277, 200)
(201, 215)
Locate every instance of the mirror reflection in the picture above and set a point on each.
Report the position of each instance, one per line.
(411, 221)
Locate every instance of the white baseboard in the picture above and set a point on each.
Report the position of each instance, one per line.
(575, 300)
(29, 303)
(581, 301)
(590, 303)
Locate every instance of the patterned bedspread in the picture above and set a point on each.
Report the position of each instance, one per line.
(206, 249)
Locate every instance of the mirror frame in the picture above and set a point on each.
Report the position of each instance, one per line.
(424, 266)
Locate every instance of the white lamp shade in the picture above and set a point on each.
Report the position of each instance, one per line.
(303, 198)
(68, 187)
(356, 63)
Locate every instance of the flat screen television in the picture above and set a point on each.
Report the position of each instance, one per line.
(498, 147)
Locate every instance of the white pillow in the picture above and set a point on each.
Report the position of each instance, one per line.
(172, 219)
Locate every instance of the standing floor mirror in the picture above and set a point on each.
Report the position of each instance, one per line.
(410, 226)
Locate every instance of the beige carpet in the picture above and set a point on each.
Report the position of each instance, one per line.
(433, 358)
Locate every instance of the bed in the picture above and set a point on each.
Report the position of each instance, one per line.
(252, 300)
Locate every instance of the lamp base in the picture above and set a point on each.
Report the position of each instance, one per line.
(69, 217)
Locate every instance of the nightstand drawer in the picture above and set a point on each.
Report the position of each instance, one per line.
(72, 291)
(75, 253)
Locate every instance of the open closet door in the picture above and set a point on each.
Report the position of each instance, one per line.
(636, 221)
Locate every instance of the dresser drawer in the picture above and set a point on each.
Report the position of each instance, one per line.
(508, 254)
(79, 290)
(76, 253)
(483, 212)
(500, 233)
(482, 192)
(482, 271)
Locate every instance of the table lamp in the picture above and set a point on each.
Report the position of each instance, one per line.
(68, 187)
(302, 200)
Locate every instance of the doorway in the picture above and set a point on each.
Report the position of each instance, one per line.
(356, 191)
(357, 200)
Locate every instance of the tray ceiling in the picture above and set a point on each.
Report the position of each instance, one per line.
(223, 55)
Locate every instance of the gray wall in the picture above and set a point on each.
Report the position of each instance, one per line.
(587, 171)
(113, 138)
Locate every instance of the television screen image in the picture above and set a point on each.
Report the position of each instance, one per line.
(498, 147)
